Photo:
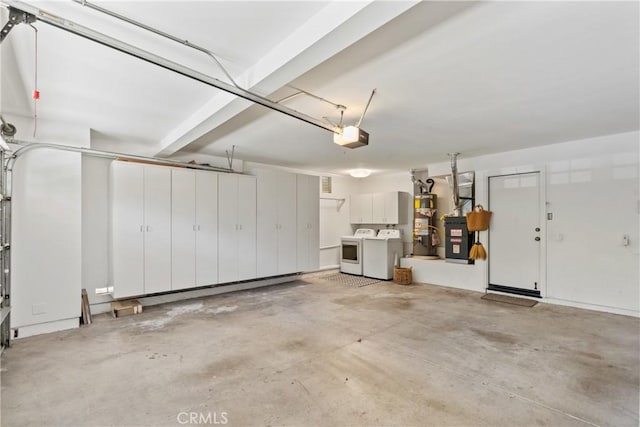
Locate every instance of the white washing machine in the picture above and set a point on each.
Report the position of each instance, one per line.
(380, 253)
(351, 251)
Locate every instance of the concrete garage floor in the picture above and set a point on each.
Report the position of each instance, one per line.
(317, 353)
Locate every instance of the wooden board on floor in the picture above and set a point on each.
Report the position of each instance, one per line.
(85, 308)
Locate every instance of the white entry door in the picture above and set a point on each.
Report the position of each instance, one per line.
(514, 249)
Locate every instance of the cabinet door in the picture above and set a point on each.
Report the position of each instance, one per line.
(267, 223)
(157, 219)
(377, 208)
(355, 210)
(313, 218)
(227, 228)
(303, 200)
(308, 202)
(366, 208)
(361, 206)
(287, 223)
(183, 228)
(391, 207)
(206, 228)
(127, 236)
(246, 254)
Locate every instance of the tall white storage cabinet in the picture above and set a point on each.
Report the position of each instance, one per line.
(157, 236)
(236, 227)
(206, 228)
(183, 228)
(194, 228)
(276, 232)
(141, 229)
(308, 220)
(127, 229)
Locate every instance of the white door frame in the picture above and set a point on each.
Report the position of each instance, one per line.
(541, 169)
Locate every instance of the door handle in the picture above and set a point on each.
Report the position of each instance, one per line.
(537, 239)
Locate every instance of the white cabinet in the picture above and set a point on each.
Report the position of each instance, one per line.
(308, 219)
(276, 231)
(385, 207)
(375, 208)
(183, 228)
(127, 232)
(141, 229)
(236, 227)
(194, 228)
(157, 222)
(206, 228)
(361, 209)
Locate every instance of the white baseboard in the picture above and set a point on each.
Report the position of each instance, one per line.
(197, 293)
(45, 328)
(328, 267)
(594, 307)
(105, 307)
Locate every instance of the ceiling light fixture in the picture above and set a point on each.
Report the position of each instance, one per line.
(360, 173)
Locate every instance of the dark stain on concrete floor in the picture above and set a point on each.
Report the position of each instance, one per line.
(312, 353)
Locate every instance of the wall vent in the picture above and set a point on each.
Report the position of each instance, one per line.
(326, 184)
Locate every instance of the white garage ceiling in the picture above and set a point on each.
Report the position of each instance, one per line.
(451, 76)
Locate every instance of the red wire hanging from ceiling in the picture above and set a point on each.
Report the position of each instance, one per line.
(36, 92)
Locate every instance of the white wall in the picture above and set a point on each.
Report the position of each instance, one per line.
(592, 190)
(334, 219)
(46, 240)
(49, 131)
(46, 246)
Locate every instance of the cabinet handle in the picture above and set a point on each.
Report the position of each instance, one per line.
(198, 228)
(148, 228)
(142, 228)
(240, 226)
(194, 228)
